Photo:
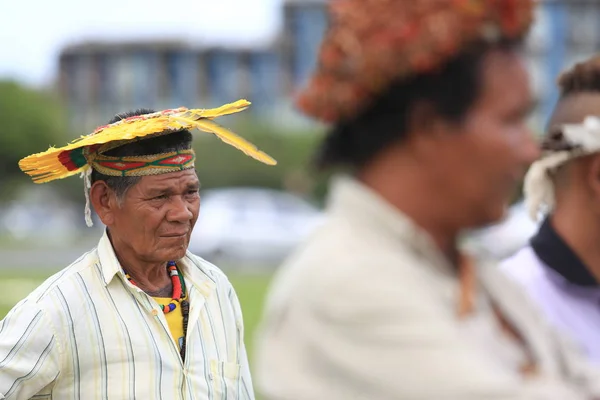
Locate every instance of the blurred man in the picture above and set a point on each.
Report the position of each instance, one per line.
(138, 316)
(561, 266)
(428, 101)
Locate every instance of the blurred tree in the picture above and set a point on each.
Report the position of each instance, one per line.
(219, 165)
(31, 121)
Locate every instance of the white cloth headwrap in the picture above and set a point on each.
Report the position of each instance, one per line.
(538, 188)
(86, 175)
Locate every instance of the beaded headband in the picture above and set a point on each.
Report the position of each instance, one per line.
(371, 43)
(143, 165)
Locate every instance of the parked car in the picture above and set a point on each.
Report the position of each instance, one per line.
(505, 238)
(40, 214)
(251, 225)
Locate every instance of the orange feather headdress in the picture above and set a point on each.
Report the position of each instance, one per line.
(371, 43)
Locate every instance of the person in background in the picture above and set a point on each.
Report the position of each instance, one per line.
(138, 316)
(427, 102)
(560, 268)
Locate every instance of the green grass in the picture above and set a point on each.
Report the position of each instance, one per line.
(251, 289)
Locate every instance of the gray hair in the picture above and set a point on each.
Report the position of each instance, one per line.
(179, 140)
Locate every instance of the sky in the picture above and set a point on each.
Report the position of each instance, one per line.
(33, 32)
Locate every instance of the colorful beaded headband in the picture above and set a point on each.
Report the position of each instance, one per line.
(143, 165)
(371, 43)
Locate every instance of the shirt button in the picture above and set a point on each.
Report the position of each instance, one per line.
(154, 312)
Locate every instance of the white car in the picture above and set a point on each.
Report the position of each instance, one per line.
(41, 215)
(251, 225)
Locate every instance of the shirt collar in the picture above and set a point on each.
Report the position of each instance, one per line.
(553, 251)
(353, 200)
(109, 264)
(194, 270)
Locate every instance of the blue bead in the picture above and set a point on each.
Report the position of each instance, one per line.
(171, 264)
(171, 306)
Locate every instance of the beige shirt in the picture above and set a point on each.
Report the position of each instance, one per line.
(87, 333)
(367, 309)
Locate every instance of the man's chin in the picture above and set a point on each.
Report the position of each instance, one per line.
(491, 216)
(175, 253)
(180, 253)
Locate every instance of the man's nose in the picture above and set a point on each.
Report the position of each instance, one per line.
(180, 210)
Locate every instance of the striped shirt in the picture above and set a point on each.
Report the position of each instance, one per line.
(88, 333)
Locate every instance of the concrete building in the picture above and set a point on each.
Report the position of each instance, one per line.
(98, 80)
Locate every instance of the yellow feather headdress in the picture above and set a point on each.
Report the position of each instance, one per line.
(76, 157)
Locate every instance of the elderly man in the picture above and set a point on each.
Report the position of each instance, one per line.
(428, 102)
(138, 316)
(561, 266)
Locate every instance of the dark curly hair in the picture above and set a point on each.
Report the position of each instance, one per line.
(450, 91)
(582, 77)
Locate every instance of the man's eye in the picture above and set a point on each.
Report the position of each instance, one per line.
(161, 197)
(194, 191)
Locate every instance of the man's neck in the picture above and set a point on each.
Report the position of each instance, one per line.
(151, 277)
(419, 202)
(582, 233)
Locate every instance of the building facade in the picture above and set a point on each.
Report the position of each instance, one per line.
(98, 80)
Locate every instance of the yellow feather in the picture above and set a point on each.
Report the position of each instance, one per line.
(226, 109)
(229, 137)
(46, 166)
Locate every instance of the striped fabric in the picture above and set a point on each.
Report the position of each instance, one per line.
(87, 333)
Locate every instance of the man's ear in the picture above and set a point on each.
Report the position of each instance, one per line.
(104, 201)
(426, 129)
(421, 117)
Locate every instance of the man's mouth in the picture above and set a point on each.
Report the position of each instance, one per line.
(175, 235)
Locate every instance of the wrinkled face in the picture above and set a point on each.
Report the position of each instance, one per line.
(478, 166)
(156, 217)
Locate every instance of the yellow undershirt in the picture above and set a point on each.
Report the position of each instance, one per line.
(174, 320)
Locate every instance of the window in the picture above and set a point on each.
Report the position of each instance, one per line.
(145, 81)
(582, 24)
(539, 39)
(265, 81)
(223, 76)
(121, 65)
(104, 83)
(182, 69)
(308, 27)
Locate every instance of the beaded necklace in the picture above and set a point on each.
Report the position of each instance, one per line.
(178, 297)
(178, 287)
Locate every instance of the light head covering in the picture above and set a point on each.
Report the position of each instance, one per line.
(372, 43)
(88, 152)
(563, 144)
